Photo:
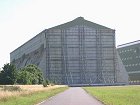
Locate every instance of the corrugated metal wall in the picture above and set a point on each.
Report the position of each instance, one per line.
(81, 55)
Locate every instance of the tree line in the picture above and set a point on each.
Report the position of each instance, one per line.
(29, 74)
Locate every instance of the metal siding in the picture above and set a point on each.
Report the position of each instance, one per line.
(78, 54)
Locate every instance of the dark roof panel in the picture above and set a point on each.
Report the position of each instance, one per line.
(80, 21)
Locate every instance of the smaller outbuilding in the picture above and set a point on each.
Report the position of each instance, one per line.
(130, 56)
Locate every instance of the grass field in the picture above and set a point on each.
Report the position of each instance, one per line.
(117, 95)
(29, 95)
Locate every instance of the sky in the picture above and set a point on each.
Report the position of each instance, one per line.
(20, 20)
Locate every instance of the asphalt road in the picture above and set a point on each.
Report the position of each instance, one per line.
(72, 96)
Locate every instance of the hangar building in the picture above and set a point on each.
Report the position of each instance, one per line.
(130, 56)
(76, 52)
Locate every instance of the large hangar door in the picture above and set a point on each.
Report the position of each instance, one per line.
(73, 64)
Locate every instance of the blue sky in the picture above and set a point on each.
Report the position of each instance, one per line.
(21, 20)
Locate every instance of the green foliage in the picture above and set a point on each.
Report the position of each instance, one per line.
(30, 74)
(8, 74)
(24, 77)
(45, 83)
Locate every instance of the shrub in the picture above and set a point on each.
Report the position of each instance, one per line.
(30, 74)
(45, 83)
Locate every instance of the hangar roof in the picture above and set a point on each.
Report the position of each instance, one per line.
(77, 21)
(80, 21)
(129, 44)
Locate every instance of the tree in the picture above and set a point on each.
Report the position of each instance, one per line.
(24, 77)
(30, 74)
(8, 74)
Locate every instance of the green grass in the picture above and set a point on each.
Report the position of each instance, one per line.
(33, 98)
(125, 95)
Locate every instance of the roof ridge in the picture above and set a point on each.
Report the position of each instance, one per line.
(78, 21)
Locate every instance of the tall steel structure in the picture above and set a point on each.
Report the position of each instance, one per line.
(77, 52)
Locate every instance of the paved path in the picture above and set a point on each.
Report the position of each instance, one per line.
(72, 96)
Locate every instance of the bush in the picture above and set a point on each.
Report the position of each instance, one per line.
(30, 74)
(45, 83)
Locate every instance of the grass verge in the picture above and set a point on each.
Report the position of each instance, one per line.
(33, 98)
(125, 95)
